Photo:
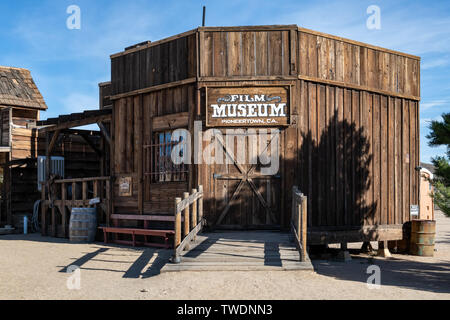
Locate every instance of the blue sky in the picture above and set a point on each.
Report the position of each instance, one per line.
(67, 65)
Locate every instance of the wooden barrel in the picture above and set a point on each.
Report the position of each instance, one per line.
(423, 233)
(83, 225)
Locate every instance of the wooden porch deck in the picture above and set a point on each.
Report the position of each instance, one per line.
(241, 251)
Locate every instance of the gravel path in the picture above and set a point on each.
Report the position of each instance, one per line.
(34, 267)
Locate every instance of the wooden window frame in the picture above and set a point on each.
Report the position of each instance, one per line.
(162, 169)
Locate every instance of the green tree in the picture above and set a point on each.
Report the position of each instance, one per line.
(440, 136)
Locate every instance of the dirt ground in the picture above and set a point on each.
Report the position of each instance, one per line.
(34, 267)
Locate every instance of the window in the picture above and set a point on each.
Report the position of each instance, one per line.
(56, 167)
(160, 166)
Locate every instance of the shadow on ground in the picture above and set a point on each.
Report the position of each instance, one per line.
(148, 264)
(415, 275)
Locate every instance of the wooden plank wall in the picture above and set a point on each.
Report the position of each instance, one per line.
(353, 145)
(331, 58)
(105, 90)
(245, 53)
(357, 131)
(133, 118)
(357, 153)
(155, 64)
(21, 193)
(5, 127)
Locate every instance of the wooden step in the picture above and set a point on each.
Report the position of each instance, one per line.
(242, 266)
(241, 251)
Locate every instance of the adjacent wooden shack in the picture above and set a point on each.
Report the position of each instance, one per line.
(349, 128)
(22, 149)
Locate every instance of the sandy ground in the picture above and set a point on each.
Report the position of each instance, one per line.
(33, 267)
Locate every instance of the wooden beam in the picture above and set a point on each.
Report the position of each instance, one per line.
(154, 88)
(91, 144)
(185, 243)
(53, 140)
(76, 123)
(347, 85)
(104, 132)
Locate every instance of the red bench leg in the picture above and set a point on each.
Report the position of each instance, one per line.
(166, 242)
(116, 224)
(134, 239)
(146, 227)
(105, 236)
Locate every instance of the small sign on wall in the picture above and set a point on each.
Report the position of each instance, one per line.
(247, 107)
(414, 211)
(125, 187)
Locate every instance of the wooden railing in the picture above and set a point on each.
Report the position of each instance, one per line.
(193, 221)
(299, 222)
(63, 195)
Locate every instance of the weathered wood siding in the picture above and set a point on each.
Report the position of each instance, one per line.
(20, 181)
(229, 53)
(326, 57)
(353, 142)
(105, 91)
(357, 153)
(154, 64)
(133, 130)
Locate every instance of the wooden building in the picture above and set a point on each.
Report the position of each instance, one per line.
(23, 147)
(349, 129)
(343, 118)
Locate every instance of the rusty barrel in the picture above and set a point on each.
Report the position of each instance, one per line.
(83, 225)
(423, 233)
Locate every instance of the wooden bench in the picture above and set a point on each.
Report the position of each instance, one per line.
(137, 231)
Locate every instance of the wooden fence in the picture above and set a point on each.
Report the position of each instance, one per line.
(193, 221)
(63, 195)
(299, 222)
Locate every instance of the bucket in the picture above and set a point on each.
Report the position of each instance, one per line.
(83, 225)
(423, 233)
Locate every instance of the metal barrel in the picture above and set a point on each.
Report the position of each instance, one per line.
(423, 233)
(83, 225)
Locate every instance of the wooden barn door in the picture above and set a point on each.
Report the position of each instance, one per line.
(244, 197)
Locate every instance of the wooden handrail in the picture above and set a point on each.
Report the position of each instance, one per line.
(193, 220)
(299, 222)
(55, 193)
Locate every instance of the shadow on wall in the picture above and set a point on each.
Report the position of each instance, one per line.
(335, 174)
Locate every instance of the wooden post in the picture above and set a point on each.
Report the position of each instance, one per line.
(53, 221)
(294, 198)
(194, 210)
(95, 186)
(84, 192)
(383, 250)
(108, 202)
(298, 218)
(177, 236)
(186, 217)
(74, 189)
(63, 209)
(304, 227)
(200, 204)
(43, 210)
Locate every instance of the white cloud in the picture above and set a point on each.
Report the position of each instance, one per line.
(78, 102)
(433, 104)
(434, 63)
(426, 121)
(406, 27)
(102, 32)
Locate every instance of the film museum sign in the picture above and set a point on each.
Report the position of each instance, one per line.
(244, 107)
